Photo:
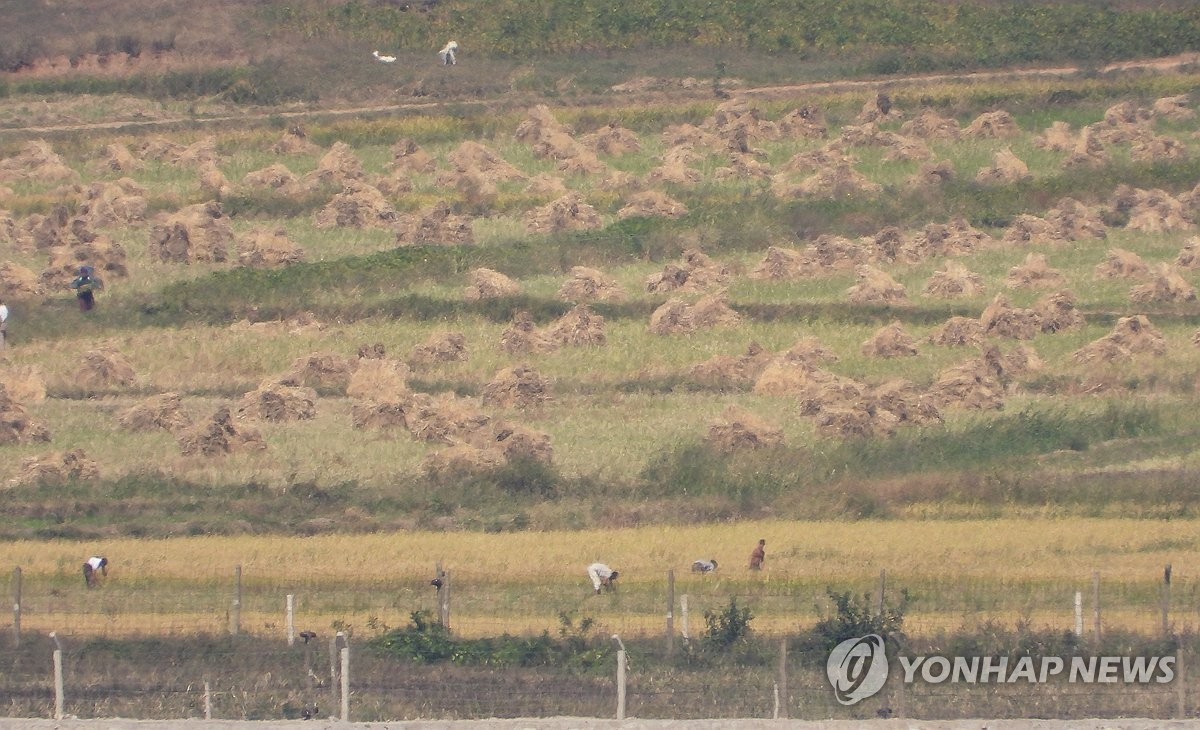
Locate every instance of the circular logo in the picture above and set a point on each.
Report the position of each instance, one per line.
(857, 668)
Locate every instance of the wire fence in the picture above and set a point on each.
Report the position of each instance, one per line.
(1155, 604)
(256, 648)
(245, 678)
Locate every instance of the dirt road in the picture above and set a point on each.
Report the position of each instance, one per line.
(1171, 63)
(578, 723)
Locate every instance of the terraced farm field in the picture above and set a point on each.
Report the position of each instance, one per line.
(945, 330)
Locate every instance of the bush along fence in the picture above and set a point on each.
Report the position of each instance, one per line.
(860, 658)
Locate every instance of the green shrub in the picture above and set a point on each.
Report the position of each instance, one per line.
(423, 641)
(855, 616)
(728, 627)
(527, 477)
(427, 642)
(21, 54)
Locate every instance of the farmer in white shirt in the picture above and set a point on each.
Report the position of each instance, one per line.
(3, 324)
(704, 566)
(602, 576)
(94, 563)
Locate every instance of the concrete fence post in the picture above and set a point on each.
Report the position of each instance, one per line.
(16, 581)
(59, 702)
(1180, 678)
(683, 615)
(235, 610)
(345, 684)
(442, 583)
(882, 588)
(291, 619)
(670, 613)
(781, 681)
(621, 664)
(336, 642)
(1166, 601)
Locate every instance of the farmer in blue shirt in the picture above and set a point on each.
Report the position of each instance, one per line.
(85, 286)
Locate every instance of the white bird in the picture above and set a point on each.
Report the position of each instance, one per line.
(447, 53)
(383, 59)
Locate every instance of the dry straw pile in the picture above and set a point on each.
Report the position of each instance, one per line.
(16, 427)
(489, 284)
(519, 386)
(58, 468)
(197, 233)
(586, 284)
(738, 429)
(274, 402)
(441, 347)
(105, 368)
(163, 411)
(219, 435)
(324, 370)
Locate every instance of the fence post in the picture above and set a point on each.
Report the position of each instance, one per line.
(1166, 600)
(1079, 614)
(882, 586)
(445, 603)
(207, 700)
(683, 611)
(16, 607)
(1180, 678)
(670, 612)
(309, 674)
(1096, 603)
(621, 684)
(58, 684)
(335, 644)
(442, 581)
(782, 681)
(291, 619)
(235, 612)
(345, 684)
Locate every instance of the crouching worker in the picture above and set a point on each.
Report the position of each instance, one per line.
(93, 564)
(602, 576)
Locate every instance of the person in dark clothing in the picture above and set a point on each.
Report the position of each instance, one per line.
(759, 555)
(85, 286)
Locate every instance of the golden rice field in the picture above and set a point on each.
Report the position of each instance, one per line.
(957, 574)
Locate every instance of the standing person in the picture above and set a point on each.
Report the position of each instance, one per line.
(602, 576)
(85, 286)
(94, 563)
(759, 555)
(447, 53)
(3, 324)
